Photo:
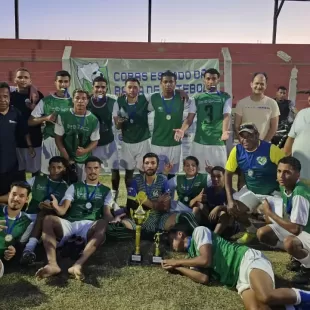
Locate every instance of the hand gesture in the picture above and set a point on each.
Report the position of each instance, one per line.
(80, 151)
(9, 253)
(183, 94)
(199, 197)
(232, 208)
(208, 167)
(178, 134)
(225, 135)
(32, 152)
(54, 202)
(265, 207)
(214, 214)
(51, 118)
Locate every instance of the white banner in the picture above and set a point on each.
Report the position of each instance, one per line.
(148, 71)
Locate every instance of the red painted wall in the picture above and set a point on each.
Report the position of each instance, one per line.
(43, 58)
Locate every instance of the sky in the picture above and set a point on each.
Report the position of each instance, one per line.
(208, 21)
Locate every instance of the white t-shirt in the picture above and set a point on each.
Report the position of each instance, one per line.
(202, 236)
(300, 131)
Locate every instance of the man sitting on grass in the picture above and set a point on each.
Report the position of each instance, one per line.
(233, 265)
(86, 207)
(13, 222)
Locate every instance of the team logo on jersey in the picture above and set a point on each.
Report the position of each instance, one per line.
(262, 160)
(160, 109)
(155, 193)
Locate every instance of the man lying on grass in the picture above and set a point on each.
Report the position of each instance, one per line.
(233, 265)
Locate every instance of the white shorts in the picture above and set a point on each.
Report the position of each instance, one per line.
(216, 155)
(131, 154)
(49, 150)
(252, 259)
(26, 235)
(26, 162)
(168, 154)
(108, 154)
(79, 228)
(178, 206)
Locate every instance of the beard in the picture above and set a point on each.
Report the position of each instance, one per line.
(150, 172)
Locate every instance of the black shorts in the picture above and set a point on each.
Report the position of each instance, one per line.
(7, 178)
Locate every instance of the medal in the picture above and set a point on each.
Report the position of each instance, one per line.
(168, 117)
(88, 205)
(8, 238)
(250, 172)
(186, 199)
(168, 107)
(131, 121)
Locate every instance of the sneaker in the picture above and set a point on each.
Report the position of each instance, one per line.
(246, 238)
(293, 265)
(302, 277)
(28, 258)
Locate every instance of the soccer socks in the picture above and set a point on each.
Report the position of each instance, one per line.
(302, 297)
(31, 245)
(114, 194)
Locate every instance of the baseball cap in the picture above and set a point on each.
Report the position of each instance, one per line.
(248, 127)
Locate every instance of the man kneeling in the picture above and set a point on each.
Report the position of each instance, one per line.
(87, 214)
(232, 265)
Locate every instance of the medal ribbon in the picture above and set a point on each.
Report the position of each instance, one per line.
(289, 205)
(132, 109)
(91, 196)
(188, 188)
(148, 188)
(168, 107)
(7, 223)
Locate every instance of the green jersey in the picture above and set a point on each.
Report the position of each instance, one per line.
(53, 104)
(136, 129)
(187, 189)
(77, 130)
(103, 110)
(296, 206)
(209, 109)
(98, 195)
(168, 116)
(21, 222)
(226, 256)
(41, 188)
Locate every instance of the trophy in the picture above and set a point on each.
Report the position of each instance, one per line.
(139, 216)
(157, 258)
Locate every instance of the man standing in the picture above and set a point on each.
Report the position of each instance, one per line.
(101, 105)
(259, 109)
(46, 112)
(77, 132)
(14, 221)
(213, 109)
(12, 125)
(293, 229)
(86, 207)
(298, 144)
(257, 161)
(25, 97)
(131, 116)
(168, 108)
(286, 107)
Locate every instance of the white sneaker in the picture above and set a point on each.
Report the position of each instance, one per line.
(115, 206)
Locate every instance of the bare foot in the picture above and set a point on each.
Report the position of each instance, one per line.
(48, 271)
(76, 272)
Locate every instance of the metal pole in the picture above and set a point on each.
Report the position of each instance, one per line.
(275, 22)
(16, 19)
(150, 22)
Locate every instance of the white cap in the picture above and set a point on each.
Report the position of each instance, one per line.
(248, 198)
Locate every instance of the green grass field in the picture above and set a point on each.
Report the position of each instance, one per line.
(112, 284)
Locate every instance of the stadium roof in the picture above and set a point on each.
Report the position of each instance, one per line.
(278, 4)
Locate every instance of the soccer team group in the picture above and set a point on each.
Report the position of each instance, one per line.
(198, 208)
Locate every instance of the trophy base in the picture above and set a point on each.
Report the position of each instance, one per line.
(136, 259)
(156, 260)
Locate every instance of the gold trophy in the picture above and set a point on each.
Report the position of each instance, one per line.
(157, 258)
(139, 216)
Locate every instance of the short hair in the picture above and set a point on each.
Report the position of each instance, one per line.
(292, 161)
(22, 184)
(282, 88)
(258, 73)
(132, 80)
(218, 168)
(168, 73)
(62, 73)
(22, 69)
(150, 155)
(193, 158)
(100, 78)
(213, 72)
(93, 159)
(185, 228)
(58, 159)
(5, 85)
(82, 91)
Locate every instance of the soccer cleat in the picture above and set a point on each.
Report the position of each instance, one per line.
(293, 265)
(246, 238)
(28, 258)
